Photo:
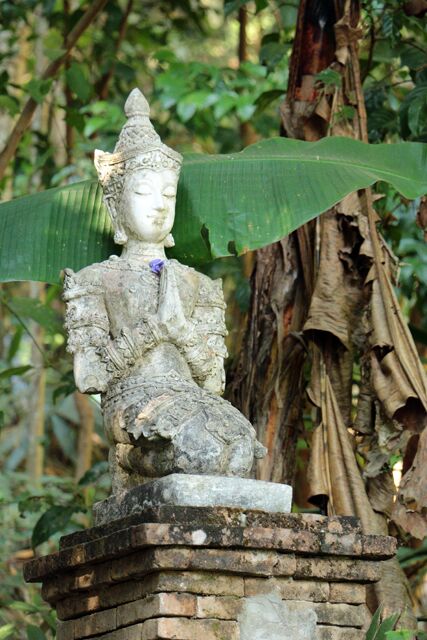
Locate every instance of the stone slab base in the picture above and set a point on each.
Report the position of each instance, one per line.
(213, 574)
(185, 490)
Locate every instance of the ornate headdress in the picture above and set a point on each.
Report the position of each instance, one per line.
(138, 147)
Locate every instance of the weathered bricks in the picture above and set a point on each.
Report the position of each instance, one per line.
(221, 607)
(338, 569)
(340, 615)
(226, 560)
(289, 589)
(156, 605)
(337, 633)
(173, 628)
(218, 516)
(289, 540)
(347, 592)
(110, 596)
(153, 580)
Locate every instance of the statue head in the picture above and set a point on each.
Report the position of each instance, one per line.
(139, 178)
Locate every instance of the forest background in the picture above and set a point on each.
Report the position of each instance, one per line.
(218, 78)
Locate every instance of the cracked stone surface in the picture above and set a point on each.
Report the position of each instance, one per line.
(267, 617)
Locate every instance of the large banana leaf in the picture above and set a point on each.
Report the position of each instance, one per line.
(226, 203)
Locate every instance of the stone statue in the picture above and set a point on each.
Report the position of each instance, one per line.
(147, 333)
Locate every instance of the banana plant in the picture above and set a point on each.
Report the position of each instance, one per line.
(226, 204)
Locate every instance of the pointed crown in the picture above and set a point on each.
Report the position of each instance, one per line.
(139, 147)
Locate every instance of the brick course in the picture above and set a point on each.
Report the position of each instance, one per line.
(141, 580)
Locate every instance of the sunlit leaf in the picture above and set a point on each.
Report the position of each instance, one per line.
(14, 371)
(6, 631)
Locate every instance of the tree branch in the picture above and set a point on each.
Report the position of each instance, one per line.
(104, 83)
(51, 70)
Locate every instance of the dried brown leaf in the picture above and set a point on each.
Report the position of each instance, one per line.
(410, 510)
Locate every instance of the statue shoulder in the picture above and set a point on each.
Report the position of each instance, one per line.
(87, 281)
(210, 291)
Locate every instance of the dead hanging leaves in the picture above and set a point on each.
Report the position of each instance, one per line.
(354, 319)
(354, 303)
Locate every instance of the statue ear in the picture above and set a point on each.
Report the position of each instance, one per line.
(97, 161)
(120, 236)
(169, 241)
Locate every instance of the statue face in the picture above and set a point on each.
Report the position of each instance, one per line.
(148, 204)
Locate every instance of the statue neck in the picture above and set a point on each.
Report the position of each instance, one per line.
(138, 251)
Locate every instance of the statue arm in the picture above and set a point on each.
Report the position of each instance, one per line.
(86, 322)
(204, 348)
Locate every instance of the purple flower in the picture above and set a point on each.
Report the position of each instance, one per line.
(156, 265)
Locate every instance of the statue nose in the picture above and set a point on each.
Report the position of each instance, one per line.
(160, 203)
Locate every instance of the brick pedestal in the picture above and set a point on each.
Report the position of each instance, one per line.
(194, 573)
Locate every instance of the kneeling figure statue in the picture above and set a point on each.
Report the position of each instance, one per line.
(147, 333)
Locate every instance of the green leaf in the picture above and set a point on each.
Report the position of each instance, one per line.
(245, 108)
(14, 371)
(95, 124)
(11, 105)
(233, 5)
(38, 89)
(53, 44)
(53, 520)
(412, 55)
(272, 52)
(94, 473)
(78, 82)
(329, 77)
(373, 627)
(37, 311)
(6, 631)
(246, 200)
(255, 70)
(267, 98)
(386, 625)
(186, 108)
(417, 114)
(14, 343)
(35, 633)
(260, 5)
(226, 103)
